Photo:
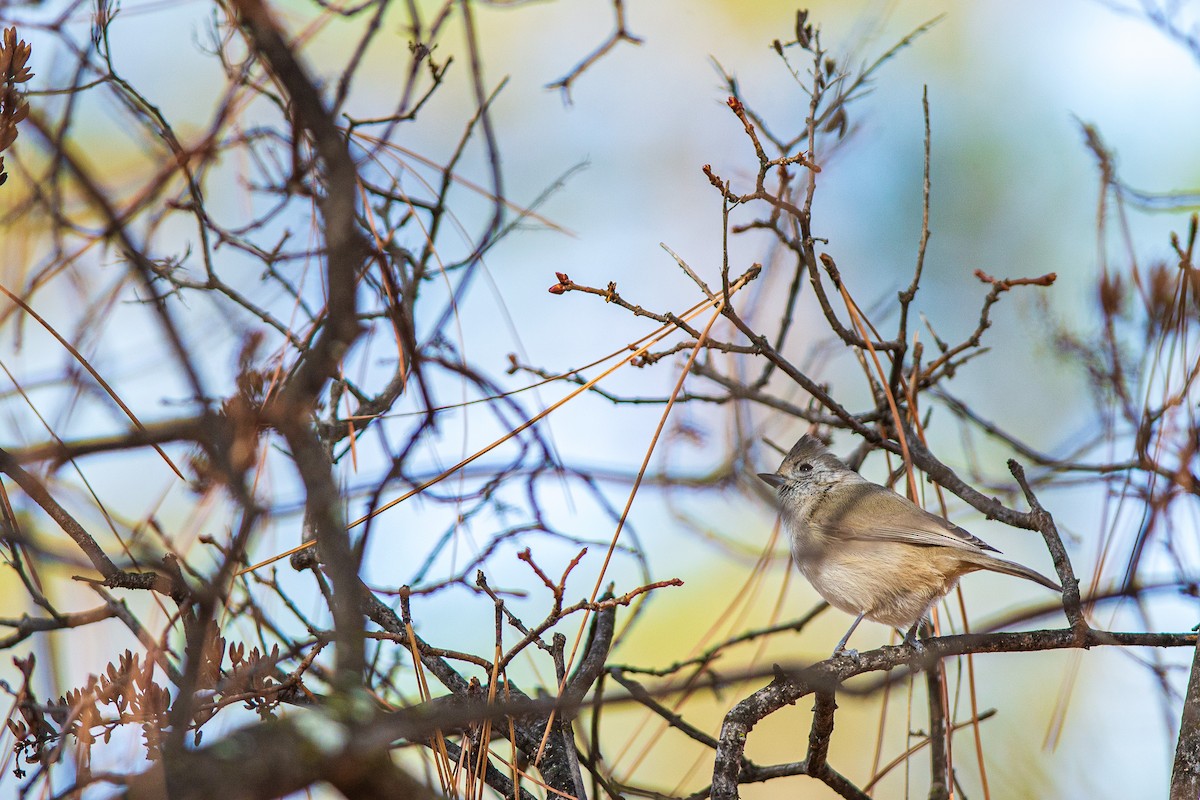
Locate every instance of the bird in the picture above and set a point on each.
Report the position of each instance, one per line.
(869, 551)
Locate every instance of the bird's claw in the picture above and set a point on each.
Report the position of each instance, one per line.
(849, 653)
(919, 651)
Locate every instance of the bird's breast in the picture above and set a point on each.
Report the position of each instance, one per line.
(891, 583)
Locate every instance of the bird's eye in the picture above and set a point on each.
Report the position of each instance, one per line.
(805, 467)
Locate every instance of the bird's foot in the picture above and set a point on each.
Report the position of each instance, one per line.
(919, 650)
(849, 653)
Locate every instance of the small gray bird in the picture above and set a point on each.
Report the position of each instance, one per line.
(869, 551)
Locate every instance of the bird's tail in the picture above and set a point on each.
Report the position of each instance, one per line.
(990, 562)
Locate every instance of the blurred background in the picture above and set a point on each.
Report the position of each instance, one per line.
(1016, 192)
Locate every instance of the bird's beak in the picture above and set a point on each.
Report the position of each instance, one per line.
(772, 480)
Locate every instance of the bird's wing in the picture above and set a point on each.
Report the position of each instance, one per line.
(867, 511)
